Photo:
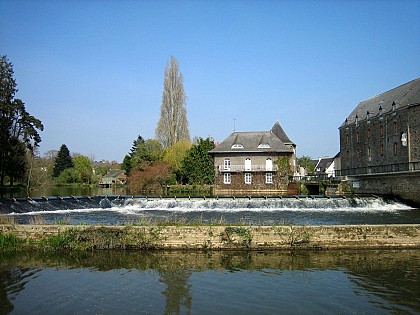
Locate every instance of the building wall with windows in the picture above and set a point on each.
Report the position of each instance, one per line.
(382, 134)
(246, 163)
(250, 174)
(414, 137)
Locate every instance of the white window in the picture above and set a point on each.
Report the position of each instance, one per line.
(269, 178)
(268, 165)
(226, 164)
(248, 164)
(226, 178)
(264, 146)
(248, 178)
(237, 146)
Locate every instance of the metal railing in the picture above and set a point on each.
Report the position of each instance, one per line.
(315, 178)
(390, 168)
(252, 168)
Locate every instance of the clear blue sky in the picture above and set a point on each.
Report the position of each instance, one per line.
(92, 71)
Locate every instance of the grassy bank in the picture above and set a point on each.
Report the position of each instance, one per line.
(74, 239)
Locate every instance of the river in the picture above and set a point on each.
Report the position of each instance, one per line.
(160, 282)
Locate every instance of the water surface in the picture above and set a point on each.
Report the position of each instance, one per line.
(254, 211)
(273, 282)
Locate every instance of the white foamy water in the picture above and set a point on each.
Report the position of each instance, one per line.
(258, 205)
(135, 206)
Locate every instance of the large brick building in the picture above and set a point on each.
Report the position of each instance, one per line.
(254, 163)
(382, 134)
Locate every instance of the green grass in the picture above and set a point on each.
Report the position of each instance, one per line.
(9, 242)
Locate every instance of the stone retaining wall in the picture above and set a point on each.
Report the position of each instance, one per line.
(404, 185)
(230, 237)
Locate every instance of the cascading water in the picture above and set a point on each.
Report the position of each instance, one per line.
(246, 210)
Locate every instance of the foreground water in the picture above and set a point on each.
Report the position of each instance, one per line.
(254, 211)
(275, 282)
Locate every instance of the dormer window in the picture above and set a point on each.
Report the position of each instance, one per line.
(264, 146)
(237, 146)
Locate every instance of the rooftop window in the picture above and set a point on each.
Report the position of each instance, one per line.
(264, 146)
(237, 146)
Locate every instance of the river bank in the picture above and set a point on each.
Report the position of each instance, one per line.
(16, 237)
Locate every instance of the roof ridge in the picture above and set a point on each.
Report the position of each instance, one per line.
(397, 87)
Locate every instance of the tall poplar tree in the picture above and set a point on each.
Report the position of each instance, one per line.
(173, 124)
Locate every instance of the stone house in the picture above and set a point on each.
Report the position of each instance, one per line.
(382, 134)
(254, 163)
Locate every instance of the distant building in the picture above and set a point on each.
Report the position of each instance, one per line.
(113, 177)
(325, 166)
(382, 134)
(250, 163)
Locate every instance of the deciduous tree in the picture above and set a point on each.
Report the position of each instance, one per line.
(173, 124)
(175, 155)
(306, 162)
(39, 170)
(84, 166)
(152, 178)
(148, 152)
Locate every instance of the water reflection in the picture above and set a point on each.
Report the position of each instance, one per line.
(212, 282)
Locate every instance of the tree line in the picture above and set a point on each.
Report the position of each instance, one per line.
(150, 167)
(151, 164)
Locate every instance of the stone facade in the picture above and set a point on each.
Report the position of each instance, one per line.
(414, 137)
(258, 184)
(382, 134)
(254, 163)
(403, 185)
(376, 146)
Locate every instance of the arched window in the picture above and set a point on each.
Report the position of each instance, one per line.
(268, 165)
(248, 165)
(226, 165)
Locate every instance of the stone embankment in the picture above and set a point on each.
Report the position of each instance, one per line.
(67, 237)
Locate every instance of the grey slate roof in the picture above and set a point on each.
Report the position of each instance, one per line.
(256, 142)
(402, 96)
(323, 164)
(279, 132)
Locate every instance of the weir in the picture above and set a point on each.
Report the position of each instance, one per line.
(51, 203)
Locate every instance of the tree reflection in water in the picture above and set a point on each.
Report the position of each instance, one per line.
(177, 291)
